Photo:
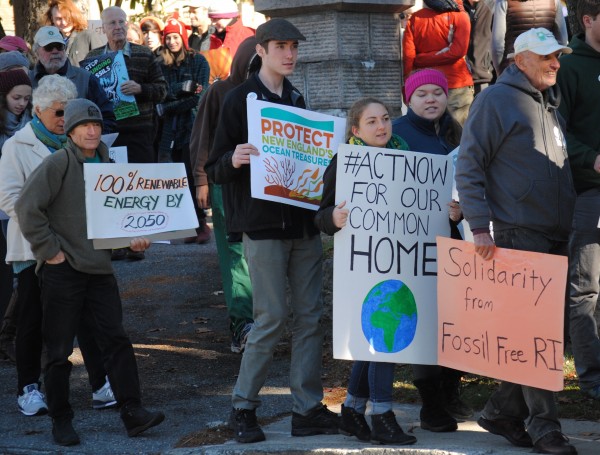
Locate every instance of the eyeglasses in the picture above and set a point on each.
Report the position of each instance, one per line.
(57, 112)
(114, 24)
(50, 47)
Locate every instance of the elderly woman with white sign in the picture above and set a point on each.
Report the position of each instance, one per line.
(21, 155)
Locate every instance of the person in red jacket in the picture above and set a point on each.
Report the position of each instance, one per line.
(229, 30)
(437, 36)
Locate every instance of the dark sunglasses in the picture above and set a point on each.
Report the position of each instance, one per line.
(50, 47)
(58, 112)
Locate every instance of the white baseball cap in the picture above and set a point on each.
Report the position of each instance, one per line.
(539, 41)
(47, 35)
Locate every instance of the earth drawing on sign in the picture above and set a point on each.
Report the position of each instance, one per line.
(389, 316)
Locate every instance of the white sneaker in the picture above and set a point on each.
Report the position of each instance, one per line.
(103, 398)
(32, 402)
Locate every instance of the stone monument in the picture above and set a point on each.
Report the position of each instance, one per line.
(352, 50)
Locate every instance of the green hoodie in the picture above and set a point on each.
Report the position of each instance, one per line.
(579, 82)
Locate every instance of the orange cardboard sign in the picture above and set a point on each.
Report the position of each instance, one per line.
(502, 318)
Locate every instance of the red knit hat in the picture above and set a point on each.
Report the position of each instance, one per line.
(174, 26)
(423, 77)
(12, 78)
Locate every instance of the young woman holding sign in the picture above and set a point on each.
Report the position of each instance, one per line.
(430, 128)
(368, 124)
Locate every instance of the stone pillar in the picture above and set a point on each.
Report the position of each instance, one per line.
(352, 50)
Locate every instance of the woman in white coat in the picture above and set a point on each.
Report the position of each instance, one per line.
(21, 154)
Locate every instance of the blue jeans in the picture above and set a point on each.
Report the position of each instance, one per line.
(68, 297)
(274, 264)
(584, 278)
(515, 401)
(373, 381)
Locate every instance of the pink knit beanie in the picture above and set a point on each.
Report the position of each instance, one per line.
(423, 77)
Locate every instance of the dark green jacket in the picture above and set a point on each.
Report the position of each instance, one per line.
(579, 82)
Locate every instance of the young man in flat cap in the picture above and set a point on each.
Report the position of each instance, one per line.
(77, 280)
(282, 246)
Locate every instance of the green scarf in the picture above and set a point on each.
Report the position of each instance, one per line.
(395, 142)
(53, 141)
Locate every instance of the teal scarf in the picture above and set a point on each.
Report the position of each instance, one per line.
(53, 141)
(395, 142)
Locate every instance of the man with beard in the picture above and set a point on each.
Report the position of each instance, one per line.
(49, 47)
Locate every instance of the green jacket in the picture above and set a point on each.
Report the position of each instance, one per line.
(579, 82)
(51, 211)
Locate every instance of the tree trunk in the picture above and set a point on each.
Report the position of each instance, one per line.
(26, 17)
(572, 22)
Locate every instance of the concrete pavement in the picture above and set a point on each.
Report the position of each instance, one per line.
(470, 439)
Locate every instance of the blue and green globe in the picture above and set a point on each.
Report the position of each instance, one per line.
(389, 316)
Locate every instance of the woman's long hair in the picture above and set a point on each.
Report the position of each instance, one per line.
(69, 11)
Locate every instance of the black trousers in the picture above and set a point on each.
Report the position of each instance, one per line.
(69, 296)
(28, 343)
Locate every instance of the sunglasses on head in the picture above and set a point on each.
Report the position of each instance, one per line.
(58, 112)
(50, 47)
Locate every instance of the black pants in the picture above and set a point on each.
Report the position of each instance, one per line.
(68, 296)
(28, 343)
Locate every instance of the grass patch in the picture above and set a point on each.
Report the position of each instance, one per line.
(572, 403)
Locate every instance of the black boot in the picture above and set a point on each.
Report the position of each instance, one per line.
(353, 423)
(63, 432)
(456, 407)
(387, 431)
(137, 419)
(433, 415)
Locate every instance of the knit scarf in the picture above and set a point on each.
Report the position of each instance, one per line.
(395, 142)
(53, 141)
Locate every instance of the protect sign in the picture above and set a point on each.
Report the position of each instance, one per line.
(295, 147)
(502, 318)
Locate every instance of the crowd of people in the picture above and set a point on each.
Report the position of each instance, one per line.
(501, 81)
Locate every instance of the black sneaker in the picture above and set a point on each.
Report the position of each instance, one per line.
(512, 430)
(319, 420)
(245, 427)
(387, 431)
(63, 432)
(137, 419)
(353, 423)
(554, 443)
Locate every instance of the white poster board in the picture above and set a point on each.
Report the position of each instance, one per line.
(132, 200)
(384, 281)
(295, 147)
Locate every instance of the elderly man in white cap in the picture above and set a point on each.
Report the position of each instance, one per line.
(50, 49)
(513, 170)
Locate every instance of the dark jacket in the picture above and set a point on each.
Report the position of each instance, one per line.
(143, 68)
(258, 218)
(52, 214)
(421, 135)
(179, 106)
(512, 167)
(205, 124)
(479, 54)
(580, 90)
